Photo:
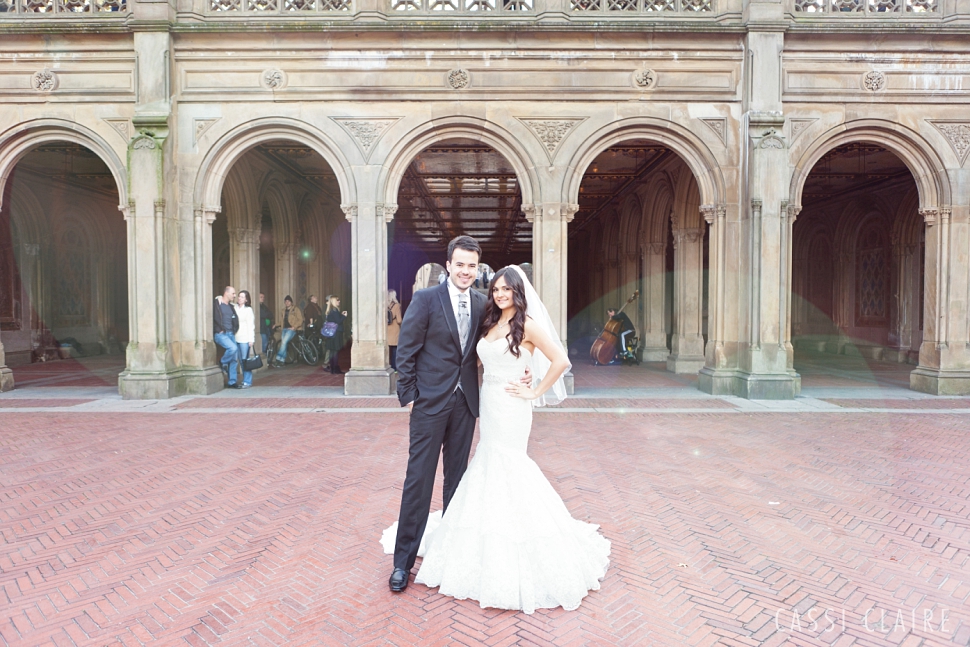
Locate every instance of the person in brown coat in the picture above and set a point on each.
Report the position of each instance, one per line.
(394, 320)
(291, 320)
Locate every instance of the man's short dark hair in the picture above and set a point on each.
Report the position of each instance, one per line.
(466, 243)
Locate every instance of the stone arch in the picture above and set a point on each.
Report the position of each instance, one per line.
(225, 152)
(19, 140)
(698, 157)
(282, 209)
(914, 151)
(431, 132)
(242, 200)
(632, 218)
(657, 212)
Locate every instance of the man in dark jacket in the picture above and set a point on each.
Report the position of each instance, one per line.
(225, 324)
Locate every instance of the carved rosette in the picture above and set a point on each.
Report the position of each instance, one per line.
(44, 81)
(645, 79)
(273, 79)
(873, 81)
(459, 79)
(958, 136)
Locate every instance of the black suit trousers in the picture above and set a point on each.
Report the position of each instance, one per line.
(448, 432)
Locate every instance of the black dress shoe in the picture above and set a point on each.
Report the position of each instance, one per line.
(399, 580)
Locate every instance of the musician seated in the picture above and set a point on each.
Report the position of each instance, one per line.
(626, 327)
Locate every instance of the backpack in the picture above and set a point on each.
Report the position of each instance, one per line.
(390, 316)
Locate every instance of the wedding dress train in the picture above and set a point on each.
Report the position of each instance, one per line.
(508, 540)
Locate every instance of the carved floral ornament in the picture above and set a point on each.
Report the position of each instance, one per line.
(933, 215)
(386, 211)
(274, 79)
(958, 135)
(645, 79)
(873, 81)
(365, 132)
(772, 139)
(350, 211)
(710, 212)
(551, 132)
(459, 79)
(44, 81)
(143, 142)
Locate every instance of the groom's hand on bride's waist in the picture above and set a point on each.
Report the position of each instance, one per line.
(410, 406)
(527, 378)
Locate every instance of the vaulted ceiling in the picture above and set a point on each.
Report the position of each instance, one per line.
(463, 187)
(855, 169)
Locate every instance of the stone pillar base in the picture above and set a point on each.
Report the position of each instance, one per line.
(150, 386)
(940, 382)
(6, 379)
(749, 386)
(688, 364)
(360, 381)
(204, 381)
(655, 354)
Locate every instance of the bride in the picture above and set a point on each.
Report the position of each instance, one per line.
(508, 540)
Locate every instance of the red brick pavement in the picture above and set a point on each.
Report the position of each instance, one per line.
(100, 370)
(902, 403)
(24, 403)
(197, 529)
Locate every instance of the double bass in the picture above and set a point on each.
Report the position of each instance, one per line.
(604, 348)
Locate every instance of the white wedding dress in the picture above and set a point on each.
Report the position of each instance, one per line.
(508, 540)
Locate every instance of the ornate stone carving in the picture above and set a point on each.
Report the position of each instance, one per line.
(120, 126)
(551, 132)
(793, 210)
(798, 126)
(365, 132)
(44, 81)
(772, 139)
(711, 211)
(459, 79)
(645, 79)
(386, 211)
(529, 210)
(350, 211)
(929, 216)
(143, 142)
(655, 249)
(873, 81)
(719, 126)
(32, 249)
(202, 125)
(245, 236)
(569, 211)
(274, 79)
(957, 133)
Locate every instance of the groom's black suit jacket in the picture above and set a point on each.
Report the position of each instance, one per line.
(429, 357)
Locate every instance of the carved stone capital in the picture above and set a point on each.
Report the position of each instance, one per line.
(655, 249)
(930, 216)
(245, 236)
(530, 210)
(793, 210)
(32, 249)
(386, 211)
(207, 213)
(569, 211)
(350, 211)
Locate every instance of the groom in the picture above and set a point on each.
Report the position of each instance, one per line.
(437, 380)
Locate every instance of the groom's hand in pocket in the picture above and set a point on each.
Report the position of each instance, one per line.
(410, 406)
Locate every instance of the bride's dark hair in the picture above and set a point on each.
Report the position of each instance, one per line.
(493, 313)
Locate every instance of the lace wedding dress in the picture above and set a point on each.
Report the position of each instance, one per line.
(508, 540)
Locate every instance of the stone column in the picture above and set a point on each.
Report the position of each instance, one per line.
(550, 222)
(370, 372)
(653, 336)
(944, 355)
(199, 353)
(901, 326)
(687, 343)
(151, 369)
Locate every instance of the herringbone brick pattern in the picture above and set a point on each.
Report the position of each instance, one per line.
(262, 529)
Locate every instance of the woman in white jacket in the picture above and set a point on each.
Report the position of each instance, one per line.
(246, 335)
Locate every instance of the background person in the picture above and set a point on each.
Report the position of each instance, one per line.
(313, 316)
(225, 324)
(291, 320)
(393, 325)
(265, 321)
(246, 335)
(626, 327)
(335, 343)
